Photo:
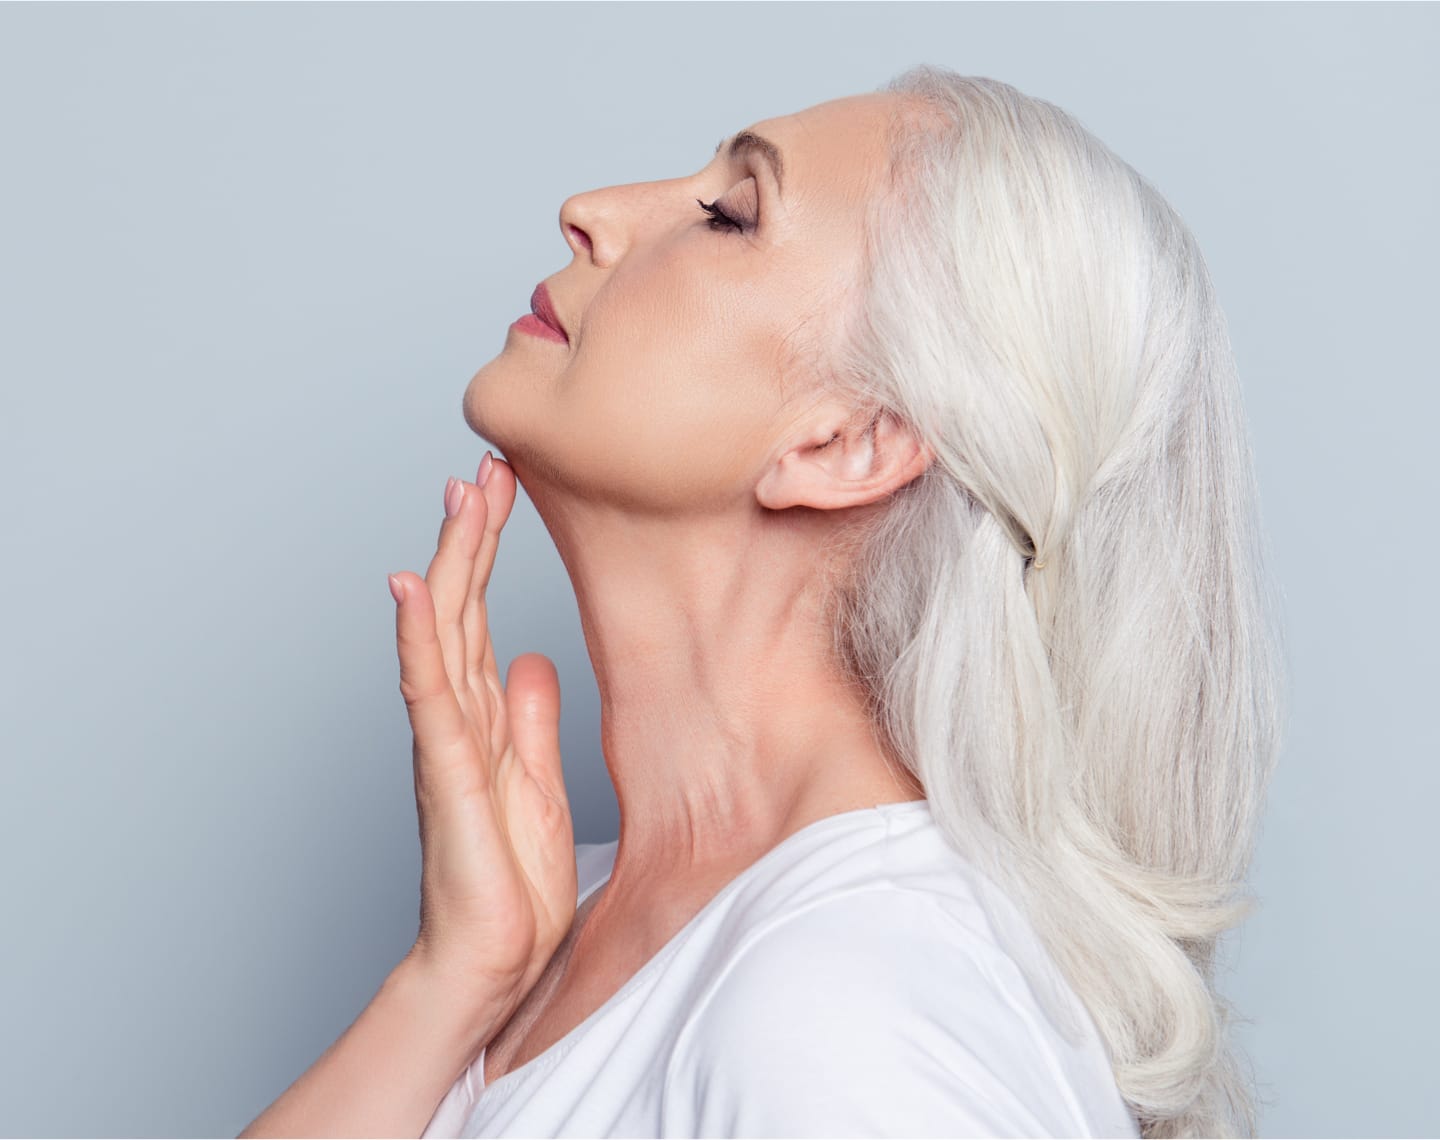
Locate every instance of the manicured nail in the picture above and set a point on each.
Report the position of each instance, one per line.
(454, 496)
(397, 591)
(485, 465)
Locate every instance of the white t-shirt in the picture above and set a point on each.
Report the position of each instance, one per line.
(860, 979)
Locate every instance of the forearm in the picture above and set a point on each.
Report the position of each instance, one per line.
(387, 1073)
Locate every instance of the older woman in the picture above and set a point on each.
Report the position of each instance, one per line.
(898, 461)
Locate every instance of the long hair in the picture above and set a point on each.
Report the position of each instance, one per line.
(1064, 626)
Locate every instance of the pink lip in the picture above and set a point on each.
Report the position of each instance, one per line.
(544, 321)
(533, 325)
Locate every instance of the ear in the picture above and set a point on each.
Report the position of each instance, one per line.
(837, 462)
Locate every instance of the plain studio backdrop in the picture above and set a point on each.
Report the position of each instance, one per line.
(251, 256)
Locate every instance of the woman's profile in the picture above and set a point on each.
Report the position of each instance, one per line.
(898, 461)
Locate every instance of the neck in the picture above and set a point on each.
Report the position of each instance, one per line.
(726, 724)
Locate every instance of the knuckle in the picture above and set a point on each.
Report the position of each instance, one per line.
(414, 692)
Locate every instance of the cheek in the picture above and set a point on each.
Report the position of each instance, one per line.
(677, 379)
(673, 339)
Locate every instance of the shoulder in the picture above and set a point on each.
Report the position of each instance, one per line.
(878, 1011)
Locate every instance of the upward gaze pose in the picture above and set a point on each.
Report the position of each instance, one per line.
(898, 461)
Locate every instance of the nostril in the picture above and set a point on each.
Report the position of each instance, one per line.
(580, 237)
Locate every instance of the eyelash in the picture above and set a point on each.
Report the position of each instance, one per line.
(719, 219)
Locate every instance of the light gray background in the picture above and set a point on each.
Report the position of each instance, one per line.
(252, 255)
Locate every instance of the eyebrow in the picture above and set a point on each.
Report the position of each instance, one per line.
(747, 142)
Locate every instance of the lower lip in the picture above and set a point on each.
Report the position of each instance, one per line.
(533, 325)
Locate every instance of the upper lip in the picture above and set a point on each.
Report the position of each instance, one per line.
(542, 307)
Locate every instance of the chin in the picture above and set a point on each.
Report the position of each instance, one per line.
(501, 427)
(478, 407)
(472, 416)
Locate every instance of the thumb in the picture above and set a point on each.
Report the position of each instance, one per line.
(532, 702)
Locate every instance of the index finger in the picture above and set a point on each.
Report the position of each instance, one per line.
(499, 491)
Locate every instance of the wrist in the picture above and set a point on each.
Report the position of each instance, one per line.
(466, 1014)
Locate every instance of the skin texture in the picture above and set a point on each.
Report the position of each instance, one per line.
(696, 485)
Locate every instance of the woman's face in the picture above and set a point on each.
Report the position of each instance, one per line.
(688, 358)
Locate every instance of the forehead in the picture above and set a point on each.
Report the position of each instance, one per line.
(834, 149)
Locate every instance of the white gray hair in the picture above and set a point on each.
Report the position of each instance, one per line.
(1097, 735)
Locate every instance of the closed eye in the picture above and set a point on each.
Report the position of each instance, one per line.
(719, 219)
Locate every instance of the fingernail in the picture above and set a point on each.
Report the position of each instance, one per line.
(454, 496)
(397, 591)
(485, 465)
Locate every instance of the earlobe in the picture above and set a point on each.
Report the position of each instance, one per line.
(868, 458)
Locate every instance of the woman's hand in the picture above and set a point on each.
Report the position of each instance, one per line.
(498, 883)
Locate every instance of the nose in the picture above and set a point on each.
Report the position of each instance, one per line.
(601, 224)
(588, 224)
